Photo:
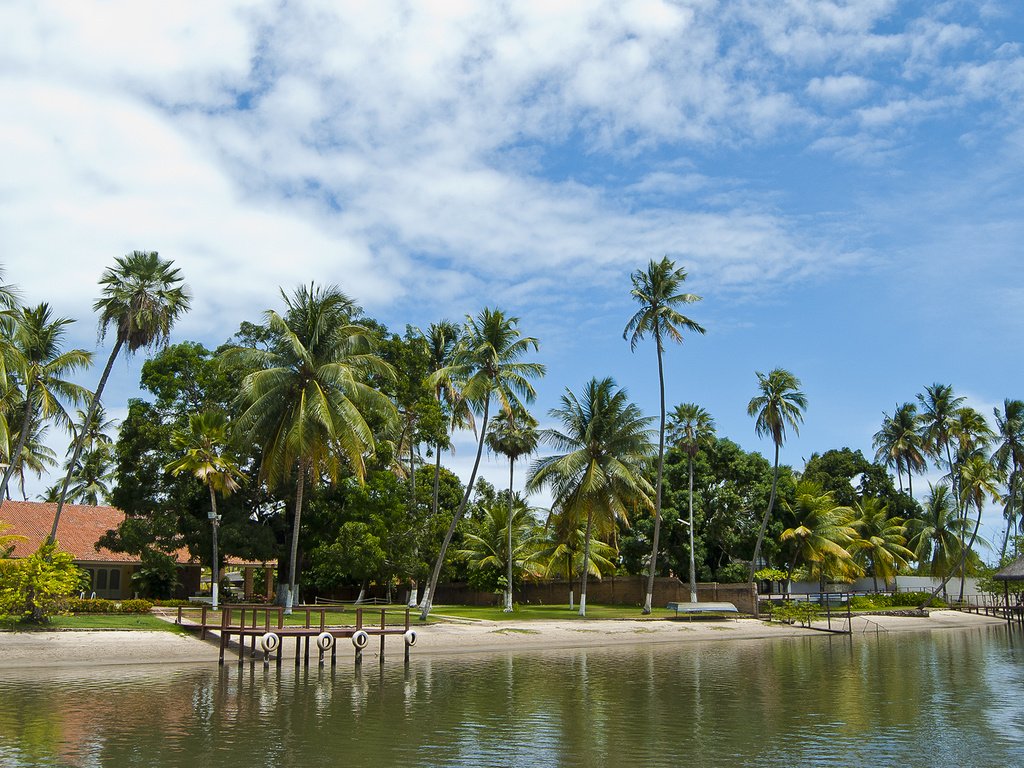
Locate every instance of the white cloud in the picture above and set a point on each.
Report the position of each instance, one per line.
(842, 89)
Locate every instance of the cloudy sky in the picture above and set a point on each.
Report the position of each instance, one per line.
(842, 180)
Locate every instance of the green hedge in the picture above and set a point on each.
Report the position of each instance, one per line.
(896, 600)
(78, 605)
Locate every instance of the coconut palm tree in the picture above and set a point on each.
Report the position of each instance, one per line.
(881, 540)
(486, 544)
(308, 399)
(91, 478)
(487, 367)
(938, 409)
(43, 366)
(779, 404)
(936, 538)
(691, 428)
(658, 290)
(604, 451)
(36, 456)
(564, 545)
(513, 436)
(979, 480)
(822, 536)
(1009, 458)
(203, 456)
(898, 444)
(141, 298)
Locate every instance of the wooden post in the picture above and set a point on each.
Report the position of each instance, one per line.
(383, 626)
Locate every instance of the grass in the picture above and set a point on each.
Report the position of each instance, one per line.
(545, 613)
(92, 621)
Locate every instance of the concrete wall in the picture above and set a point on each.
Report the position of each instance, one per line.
(901, 584)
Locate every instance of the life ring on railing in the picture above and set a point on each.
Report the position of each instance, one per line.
(360, 639)
(325, 641)
(270, 642)
(410, 637)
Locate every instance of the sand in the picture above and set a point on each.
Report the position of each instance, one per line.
(99, 647)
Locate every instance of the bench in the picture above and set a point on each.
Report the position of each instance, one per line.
(692, 608)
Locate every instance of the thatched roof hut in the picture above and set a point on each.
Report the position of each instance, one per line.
(1013, 572)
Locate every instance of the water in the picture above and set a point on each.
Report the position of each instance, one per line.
(949, 698)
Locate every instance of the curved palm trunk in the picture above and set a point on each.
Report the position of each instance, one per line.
(433, 510)
(586, 564)
(300, 487)
(1009, 513)
(428, 595)
(767, 514)
(80, 439)
(963, 562)
(693, 561)
(508, 589)
(15, 457)
(215, 563)
(657, 492)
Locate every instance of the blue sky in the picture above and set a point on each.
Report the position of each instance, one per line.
(842, 181)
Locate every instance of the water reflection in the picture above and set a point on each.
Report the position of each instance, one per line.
(944, 699)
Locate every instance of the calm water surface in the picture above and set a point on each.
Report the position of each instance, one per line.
(950, 698)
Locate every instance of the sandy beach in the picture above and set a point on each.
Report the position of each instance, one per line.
(76, 648)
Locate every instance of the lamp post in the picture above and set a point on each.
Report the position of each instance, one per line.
(214, 570)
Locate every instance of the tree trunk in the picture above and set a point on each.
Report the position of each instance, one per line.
(428, 595)
(657, 491)
(693, 561)
(414, 590)
(215, 563)
(767, 514)
(433, 508)
(586, 564)
(300, 486)
(963, 564)
(15, 457)
(80, 439)
(508, 588)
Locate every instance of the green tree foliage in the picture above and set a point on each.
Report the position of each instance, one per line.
(485, 544)
(691, 429)
(821, 538)
(880, 547)
(31, 588)
(1009, 460)
(836, 470)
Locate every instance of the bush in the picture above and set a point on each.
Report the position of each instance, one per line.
(172, 603)
(99, 605)
(35, 586)
(898, 599)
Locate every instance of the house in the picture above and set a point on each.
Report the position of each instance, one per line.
(81, 527)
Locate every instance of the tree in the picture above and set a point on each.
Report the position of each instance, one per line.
(92, 477)
(898, 444)
(141, 298)
(938, 409)
(780, 404)
(936, 538)
(44, 367)
(513, 436)
(203, 456)
(822, 535)
(500, 543)
(486, 366)
(34, 586)
(691, 428)
(658, 291)
(1009, 459)
(605, 447)
(564, 544)
(979, 481)
(881, 540)
(308, 400)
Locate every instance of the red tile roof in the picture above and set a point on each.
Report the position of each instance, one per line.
(80, 528)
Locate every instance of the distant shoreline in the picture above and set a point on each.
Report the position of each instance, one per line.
(77, 648)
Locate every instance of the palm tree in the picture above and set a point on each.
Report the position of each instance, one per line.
(487, 366)
(822, 535)
(936, 538)
(898, 444)
(203, 456)
(91, 478)
(605, 449)
(938, 409)
(658, 291)
(565, 543)
(513, 436)
(780, 404)
(1009, 458)
(485, 546)
(308, 400)
(691, 428)
(43, 367)
(881, 540)
(979, 480)
(141, 298)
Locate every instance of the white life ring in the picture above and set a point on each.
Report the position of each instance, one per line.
(360, 639)
(270, 642)
(410, 637)
(325, 641)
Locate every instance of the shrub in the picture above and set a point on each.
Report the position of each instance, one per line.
(35, 586)
(99, 605)
(172, 603)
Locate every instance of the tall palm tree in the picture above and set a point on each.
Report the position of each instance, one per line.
(779, 404)
(605, 448)
(898, 444)
(658, 291)
(487, 366)
(36, 456)
(92, 476)
(938, 409)
(691, 428)
(142, 296)
(822, 536)
(485, 546)
(43, 366)
(936, 538)
(979, 480)
(881, 540)
(1009, 458)
(513, 436)
(308, 399)
(203, 456)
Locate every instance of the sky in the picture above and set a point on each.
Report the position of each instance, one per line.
(842, 182)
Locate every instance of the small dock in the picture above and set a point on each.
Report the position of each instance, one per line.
(266, 628)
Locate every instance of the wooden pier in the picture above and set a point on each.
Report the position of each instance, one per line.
(265, 630)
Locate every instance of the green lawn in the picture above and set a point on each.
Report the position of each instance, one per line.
(545, 612)
(93, 621)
